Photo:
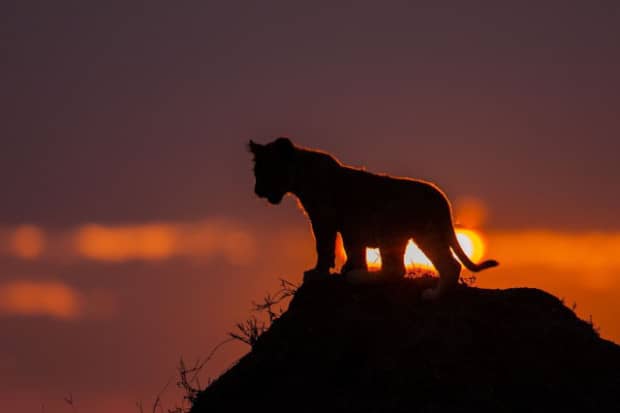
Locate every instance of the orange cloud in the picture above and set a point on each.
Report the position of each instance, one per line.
(42, 298)
(594, 255)
(206, 239)
(106, 243)
(27, 242)
(145, 241)
(55, 299)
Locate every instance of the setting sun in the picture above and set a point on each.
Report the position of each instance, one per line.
(414, 258)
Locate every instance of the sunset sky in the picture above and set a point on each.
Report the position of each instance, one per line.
(129, 232)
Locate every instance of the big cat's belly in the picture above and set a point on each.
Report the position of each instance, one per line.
(381, 225)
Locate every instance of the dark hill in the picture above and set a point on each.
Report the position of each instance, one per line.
(379, 348)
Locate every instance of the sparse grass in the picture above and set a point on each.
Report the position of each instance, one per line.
(468, 279)
(590, 321)
(247, 332)
(157, 406)
(417, 272)
(189, 379)
(595, 328)
(69, 400)
(250, 330)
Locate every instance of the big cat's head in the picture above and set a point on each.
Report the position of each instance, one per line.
(273, 164)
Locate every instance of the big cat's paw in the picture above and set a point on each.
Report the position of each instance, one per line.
(430, 294)
(315, 275)
(360, 277)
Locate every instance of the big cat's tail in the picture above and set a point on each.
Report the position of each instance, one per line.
(469, 264)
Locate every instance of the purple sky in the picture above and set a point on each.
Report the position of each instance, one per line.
(125, 113)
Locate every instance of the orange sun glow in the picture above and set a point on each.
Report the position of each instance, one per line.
(414, 258)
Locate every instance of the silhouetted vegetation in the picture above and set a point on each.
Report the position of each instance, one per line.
(69, 400)
(265, 312)
(157, 404)
(250, 330)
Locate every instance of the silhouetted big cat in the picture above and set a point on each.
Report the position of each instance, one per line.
(336, 198)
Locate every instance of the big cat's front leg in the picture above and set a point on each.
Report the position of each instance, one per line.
(356, 256)
(325, 238)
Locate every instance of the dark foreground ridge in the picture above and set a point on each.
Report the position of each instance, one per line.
(379, 348)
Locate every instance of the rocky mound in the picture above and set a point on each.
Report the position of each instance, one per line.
(380, 348)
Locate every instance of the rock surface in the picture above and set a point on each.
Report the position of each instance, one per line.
(380, 348)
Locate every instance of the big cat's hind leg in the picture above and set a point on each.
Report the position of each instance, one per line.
(356, 255)
(354, 269)
(444, 262)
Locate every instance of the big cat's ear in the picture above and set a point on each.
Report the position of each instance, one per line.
(284, 145)
(254, 147)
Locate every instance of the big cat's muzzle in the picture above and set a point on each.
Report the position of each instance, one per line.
(275, 199)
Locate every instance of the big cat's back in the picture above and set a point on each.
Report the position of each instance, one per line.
(386, 186)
